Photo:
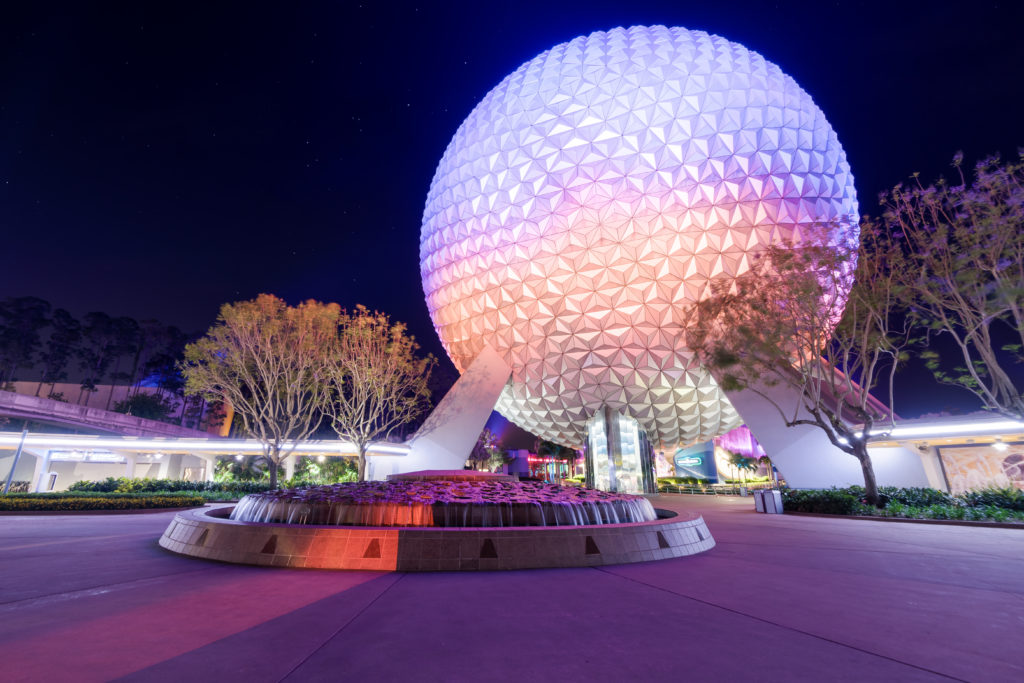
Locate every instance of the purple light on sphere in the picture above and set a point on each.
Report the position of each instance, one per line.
(592, 195)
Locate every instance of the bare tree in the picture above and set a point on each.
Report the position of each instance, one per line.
(378, 383)
(268, 361)
(965, 245)
(795, 320)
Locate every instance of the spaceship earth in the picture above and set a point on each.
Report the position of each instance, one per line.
(592, 196)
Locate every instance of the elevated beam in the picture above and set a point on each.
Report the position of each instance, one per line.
(57, 412)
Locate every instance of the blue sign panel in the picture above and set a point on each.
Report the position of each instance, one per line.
(696, 461)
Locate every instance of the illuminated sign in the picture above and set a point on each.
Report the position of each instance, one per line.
(689, 460)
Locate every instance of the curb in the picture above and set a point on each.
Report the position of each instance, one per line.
(941, 522)
(137, 511)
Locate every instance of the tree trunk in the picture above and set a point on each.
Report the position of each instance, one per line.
(362, 463)
(274, 452)
(870, 483)
(113, 379)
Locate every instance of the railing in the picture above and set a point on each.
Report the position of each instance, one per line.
(47, 410)
(716, 489)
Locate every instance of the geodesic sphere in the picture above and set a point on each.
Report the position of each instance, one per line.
(589, 199)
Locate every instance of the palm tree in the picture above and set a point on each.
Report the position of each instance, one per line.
(557, 452)
(767, 462)
(742, 464)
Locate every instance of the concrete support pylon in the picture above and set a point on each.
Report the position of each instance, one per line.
(289, 466)
(804, 455)
(211, 464)
(449, 432)
(130, 460)
(38, 483)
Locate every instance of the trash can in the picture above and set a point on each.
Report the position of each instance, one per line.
(773, 502)
(768, 500)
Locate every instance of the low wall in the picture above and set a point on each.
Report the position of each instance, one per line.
(207, 533)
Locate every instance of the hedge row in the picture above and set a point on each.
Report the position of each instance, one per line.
(126, 485)
(681, 481)
(27, 502)
(914, 502)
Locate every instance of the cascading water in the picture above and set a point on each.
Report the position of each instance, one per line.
(444, 503)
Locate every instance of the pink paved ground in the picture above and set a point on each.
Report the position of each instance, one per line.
(91, 598)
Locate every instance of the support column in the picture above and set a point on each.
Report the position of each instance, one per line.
(39, 475)
(449, 432)
(210, 464)
(612, 437)
(161, 472)
(129, 465)
(173, 465)
(289, 466)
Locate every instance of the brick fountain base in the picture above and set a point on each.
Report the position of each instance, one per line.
(209, 534)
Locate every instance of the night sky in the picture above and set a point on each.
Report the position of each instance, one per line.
(158, 161)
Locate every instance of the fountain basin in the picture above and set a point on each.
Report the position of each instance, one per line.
(210, 534)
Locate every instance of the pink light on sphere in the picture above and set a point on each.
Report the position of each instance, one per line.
(592, 195)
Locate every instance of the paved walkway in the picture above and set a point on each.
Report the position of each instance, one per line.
(781, 598)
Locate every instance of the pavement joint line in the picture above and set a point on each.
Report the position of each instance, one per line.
(957, 551)
(341, 628)
(91, 589)
(839, 570)
(76, 539)
(782, 626)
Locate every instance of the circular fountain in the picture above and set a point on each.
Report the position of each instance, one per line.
(426, 521)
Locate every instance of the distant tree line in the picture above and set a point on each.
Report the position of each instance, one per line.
(49, 345)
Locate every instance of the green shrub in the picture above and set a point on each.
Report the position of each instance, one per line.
(941, 512)
(916, 496)
(670, 482)
(125, 485)
(1006, 498)
(822, 501)
(25, 502)
(910, 503)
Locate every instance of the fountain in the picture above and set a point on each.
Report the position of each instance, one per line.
(429, 521)
(439, 502)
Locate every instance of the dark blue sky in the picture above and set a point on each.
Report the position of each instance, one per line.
(159, 161)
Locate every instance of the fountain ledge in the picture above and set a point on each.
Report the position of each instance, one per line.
(208, 533)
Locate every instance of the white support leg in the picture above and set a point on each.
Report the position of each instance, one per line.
(130, 460)
(41, 470)
(446, 438)
(289, 466)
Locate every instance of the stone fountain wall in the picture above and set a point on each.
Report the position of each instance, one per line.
(208, 534)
